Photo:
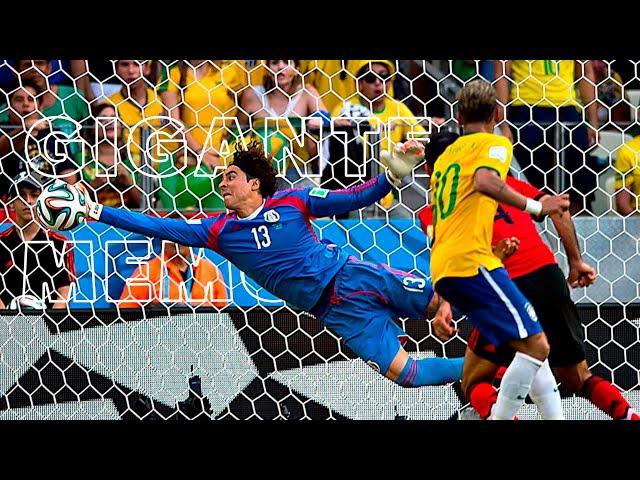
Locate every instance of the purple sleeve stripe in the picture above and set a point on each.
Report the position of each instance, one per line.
(357, 188)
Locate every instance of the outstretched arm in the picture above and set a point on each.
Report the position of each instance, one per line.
(192, 234)
(399, 163)
(325, 203)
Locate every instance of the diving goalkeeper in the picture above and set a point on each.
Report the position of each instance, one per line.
(269, 236)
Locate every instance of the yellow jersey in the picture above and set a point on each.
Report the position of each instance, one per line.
(543, 83)
(335, 80)
(462, 216)
(627, 166)
(394, 119)
(210, 97)
(130, 114)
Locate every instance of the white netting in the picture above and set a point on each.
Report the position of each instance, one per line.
(155, 136)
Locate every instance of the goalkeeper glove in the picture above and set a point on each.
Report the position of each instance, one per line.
(402, 160)
(92, 209)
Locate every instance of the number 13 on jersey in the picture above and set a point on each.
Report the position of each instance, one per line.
(263, 240)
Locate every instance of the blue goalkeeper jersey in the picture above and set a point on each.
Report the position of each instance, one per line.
(276, 245)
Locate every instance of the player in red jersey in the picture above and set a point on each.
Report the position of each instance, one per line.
(533, 268)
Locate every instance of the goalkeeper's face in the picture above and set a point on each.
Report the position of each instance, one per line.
(238, 190)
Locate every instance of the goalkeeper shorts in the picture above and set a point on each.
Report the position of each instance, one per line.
(362, 302)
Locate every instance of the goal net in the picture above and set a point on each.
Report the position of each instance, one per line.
(100, 323)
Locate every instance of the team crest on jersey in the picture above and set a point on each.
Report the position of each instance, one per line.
(531, 311)
(271, 216)
(498, 152)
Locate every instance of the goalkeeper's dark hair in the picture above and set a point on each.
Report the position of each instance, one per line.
(438, 143)
(255, 164)
(477, 102)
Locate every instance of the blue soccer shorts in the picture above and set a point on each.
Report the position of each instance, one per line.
(493, 304)
(364, 300)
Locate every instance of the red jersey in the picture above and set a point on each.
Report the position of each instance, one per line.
(533, 253)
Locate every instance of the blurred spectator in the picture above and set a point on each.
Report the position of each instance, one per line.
(255, 70)
(63, 72)
(334, 80)
(115, 188)
(160, 279)
(80, 73)
(198, 93)
(41, 148)
(611, 107)
(283, 94)
(628, 71)
(542, 99)
(465, 70)
(29, 253)
(136, 102)
(427, 95)
(627, 177)
(67, 171)
(103, 81)
(52, 100)
(374, 101)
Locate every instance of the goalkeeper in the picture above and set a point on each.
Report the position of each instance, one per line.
(268, 235)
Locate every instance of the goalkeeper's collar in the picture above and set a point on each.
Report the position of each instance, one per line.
(255, 213)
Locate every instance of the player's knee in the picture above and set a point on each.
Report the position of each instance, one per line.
(537, 346)
(573, 378)
(544, 348)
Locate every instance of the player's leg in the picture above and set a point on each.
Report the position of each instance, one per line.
(601, 393)
(548, 292)
(481, 364)
(411, 296)
(579, 379)
(477, 383)
(409, 372)
(362, 315)
(380, 347)
(529, 369)
(495, 305)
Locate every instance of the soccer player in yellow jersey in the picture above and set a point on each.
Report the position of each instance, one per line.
(468, 182)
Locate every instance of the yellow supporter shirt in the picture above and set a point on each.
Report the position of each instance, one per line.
(627, 166)
(543, 83)
(208, 98)
(130, 114)
(463, 217)
(335, 80)
(398, 114)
